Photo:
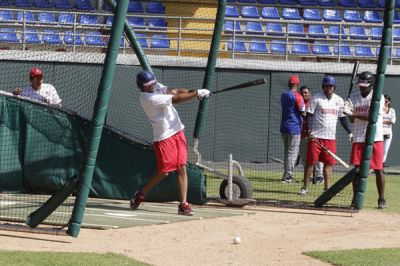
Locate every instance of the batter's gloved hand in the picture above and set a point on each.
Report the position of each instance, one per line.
(203, 93)
(348, 108)
(351, 137)
(17, 91)
(311, 136)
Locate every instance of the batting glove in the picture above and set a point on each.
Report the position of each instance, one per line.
(348, 108)
(203, 93)
(311, 136)
(351, 137)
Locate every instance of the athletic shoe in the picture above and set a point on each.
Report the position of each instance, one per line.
(185, 209)
(303, 191)
(136, 199)
(289, 179)
(381, 203)
(319, 179)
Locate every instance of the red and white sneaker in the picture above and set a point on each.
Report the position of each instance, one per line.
(136, 199)
(185, 209)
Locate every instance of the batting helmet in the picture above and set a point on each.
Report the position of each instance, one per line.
(294, 80)
(366, 79)
(35, 72)
(145, 78)
(329, 80)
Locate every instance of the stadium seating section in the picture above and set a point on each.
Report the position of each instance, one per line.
(323, 28)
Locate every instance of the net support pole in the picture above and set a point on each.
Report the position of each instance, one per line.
(133, 41)
(384, 53)
(210, 69)
(100, 111)
(230, 177)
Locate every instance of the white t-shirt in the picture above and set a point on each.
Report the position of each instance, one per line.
(325, 114)
(47, 94)
(161, 113)
(361, 107)
(390, 117)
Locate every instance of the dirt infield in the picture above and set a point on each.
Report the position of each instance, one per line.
(269, 237)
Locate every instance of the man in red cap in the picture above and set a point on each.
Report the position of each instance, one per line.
(293, 109)
(38, 90)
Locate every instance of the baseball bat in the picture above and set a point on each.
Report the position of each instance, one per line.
(353, 77)
(337, 158)
(242, 86)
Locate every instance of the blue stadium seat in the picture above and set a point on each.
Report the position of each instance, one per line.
(231, 11)
(51, 37)
(239, 46)
(382, 3)
(135, 7)
(330, 3)
(6, 15)
(321, 48)
(23, 3)
(84, 5)
(136, 22)
(398, 52)
(351, 16)
(8, 35)
(316, 31)
(376, 33)
(46, 17)
(88, 20)
(109, 20)
(291, 14)
(66, 18)
(278, 47)
(372, 17)
(347, 3)
(228, 27)
(70, 39)
(396, 19)
(258, 46)
(155, 8)
(157, 23)
(248, 1)
(333, 32)
(357, 33)
(31, 36)
(296, 30)
(308, 2)
(42, 3)
(94, 38)
(360, 50)
(250, 12)
(396, 34)
(344, 50)
(141, 37)
(288, 2)
(254, 27)
(312, 14)
(62, 4)
(270, 13)
(29, 17)
(159, 41)
(5, 3)
(368, 3)
(331, 15)
(300, 48)
(269, 2)
(274, 29)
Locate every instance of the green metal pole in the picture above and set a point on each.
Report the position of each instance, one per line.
(130, 35)
(100, 111)
(211, 63)
(384, 53)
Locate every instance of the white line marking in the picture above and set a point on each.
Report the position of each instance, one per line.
(116, 214)
(135, 219)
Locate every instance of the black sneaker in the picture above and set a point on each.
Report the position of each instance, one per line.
(319, 179)
(381, 203)
(289, 179)
(136, 199)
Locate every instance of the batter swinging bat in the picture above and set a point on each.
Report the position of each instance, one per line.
(242, 86)
(337, 158)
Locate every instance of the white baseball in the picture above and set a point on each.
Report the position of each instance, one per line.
(237, 240)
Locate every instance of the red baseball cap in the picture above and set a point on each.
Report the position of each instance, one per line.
(294, 80)
(35, 72)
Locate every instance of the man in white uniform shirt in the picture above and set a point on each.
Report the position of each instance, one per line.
(38, 90)
(322, 114)
(361, 102)
(169, 140)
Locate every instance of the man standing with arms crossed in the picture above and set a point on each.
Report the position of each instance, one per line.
(169, 140)
(322, 114)
(359, 117)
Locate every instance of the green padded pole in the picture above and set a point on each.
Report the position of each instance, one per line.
(130, 35)
(211, 63)
(100, 111)
(375, 102)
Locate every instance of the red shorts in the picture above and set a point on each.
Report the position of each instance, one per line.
(316, 153)
(171, 153)
(376, 158)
